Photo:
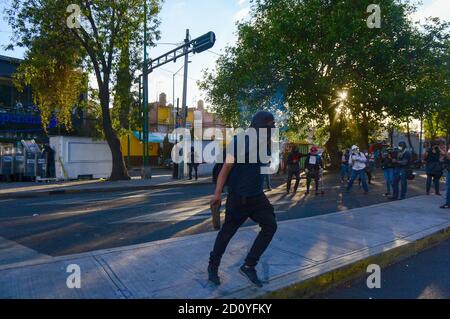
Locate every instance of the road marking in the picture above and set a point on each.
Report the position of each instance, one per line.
(168, 215)
(71, 201)
(175, 215)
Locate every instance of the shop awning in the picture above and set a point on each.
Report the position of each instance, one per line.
(154, 137)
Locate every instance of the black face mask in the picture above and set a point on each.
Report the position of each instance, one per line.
(264, 119)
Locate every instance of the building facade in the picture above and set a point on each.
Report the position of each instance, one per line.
(162, 121)
(19, 119)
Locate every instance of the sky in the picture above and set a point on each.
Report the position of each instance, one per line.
(200, 17)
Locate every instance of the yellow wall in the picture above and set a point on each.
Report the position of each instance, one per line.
(190, 117)
(136, 147)
(165, 115)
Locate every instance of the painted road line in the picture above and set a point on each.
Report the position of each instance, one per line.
(168, 215)
(71, 201)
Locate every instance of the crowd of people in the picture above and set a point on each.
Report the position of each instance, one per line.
(356, 165)
(396, 163)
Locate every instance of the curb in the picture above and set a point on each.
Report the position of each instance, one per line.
(36, 194)
(315, 286)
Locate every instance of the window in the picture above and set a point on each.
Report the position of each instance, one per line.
(6, 94)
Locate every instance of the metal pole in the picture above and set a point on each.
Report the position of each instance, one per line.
(184, 101)
(146, 169)
(420, 138)
(128, 149)
(185, 75)
(173, 100)
(140, 105)
(173, 97)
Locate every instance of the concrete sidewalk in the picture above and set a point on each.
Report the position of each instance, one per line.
(305, 256)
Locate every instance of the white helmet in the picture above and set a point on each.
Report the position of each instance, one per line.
(355, 149)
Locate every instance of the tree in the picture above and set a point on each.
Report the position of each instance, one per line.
(327, 50)
(105, 29)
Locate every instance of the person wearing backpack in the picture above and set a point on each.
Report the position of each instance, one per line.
(313, 164)
(358, 163)
(434, 168)
(402, 162)
(246, 199)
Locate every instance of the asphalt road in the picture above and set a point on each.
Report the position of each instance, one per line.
(65, 224)
(423, 276)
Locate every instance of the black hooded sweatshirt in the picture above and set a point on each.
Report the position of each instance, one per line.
(245, 178)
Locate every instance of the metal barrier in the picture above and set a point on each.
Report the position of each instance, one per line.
(22, 163)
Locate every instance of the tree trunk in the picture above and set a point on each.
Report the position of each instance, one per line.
(408, 135)
(332, 143)
(363, 129)
(119, 170)
(364, 133)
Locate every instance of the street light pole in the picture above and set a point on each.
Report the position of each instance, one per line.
(195, 46)
(185, 76)
(173, 91)
(146, 173)
(184, 101)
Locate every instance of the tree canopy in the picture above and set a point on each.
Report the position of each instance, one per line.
(333, 71)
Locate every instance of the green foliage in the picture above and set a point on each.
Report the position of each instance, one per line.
(108, 40)
(313, 50)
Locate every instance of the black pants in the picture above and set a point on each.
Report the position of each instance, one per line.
(238, 210)
(313, 174)
(292, 173)
(195, 167)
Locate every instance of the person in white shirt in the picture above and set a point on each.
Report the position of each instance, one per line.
(358, 162)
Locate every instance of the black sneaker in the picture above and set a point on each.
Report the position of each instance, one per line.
(213, 275)
(250, 274)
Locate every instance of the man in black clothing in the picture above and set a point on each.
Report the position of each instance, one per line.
(193, 164)
(246, 199)
(293, 164)
(313, 164)
(50, 161)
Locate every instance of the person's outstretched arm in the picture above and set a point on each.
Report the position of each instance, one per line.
(221, 179)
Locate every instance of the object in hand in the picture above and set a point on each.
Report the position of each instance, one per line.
(215, 211)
